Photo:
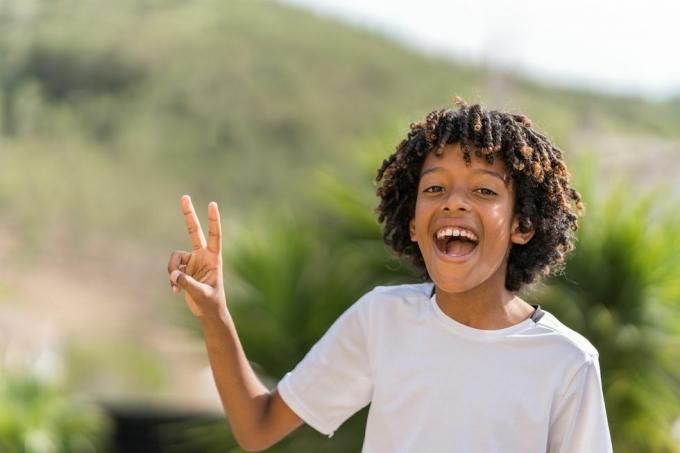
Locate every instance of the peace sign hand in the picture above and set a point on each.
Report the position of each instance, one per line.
(199, 272)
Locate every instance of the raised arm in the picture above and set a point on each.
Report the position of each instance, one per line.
(258, 418)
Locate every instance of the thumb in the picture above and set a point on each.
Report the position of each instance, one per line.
(194, 288)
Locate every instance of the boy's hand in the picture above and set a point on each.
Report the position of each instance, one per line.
(199, 272)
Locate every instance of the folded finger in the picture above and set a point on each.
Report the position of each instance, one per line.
(193, 225)
(178, 260)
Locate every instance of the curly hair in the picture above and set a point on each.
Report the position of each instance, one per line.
(544, 197)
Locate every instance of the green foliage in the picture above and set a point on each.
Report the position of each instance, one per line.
(620, 291)
(41, 417)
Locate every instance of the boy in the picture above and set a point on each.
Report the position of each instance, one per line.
(482, 205)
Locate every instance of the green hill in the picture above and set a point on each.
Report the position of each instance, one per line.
(111, 110)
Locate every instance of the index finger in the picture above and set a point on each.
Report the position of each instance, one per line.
(194, 227)
(214, 228)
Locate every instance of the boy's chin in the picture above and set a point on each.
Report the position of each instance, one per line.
(451, 283)
(461, 280)
(452, 287)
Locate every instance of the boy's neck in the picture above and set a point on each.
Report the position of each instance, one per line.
(488, 307)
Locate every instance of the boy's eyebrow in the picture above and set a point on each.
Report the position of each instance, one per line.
(476, 170)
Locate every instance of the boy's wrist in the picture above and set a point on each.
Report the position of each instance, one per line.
(220, 316)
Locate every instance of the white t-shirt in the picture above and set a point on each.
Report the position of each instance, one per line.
(437, 385)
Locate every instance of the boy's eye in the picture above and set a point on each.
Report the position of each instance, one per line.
(488, 191)
(483, 190)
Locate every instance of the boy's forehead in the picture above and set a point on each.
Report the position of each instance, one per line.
(453, 154)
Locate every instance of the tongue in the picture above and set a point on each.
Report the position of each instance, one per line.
(458, 247)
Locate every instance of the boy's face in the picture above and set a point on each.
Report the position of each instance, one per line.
(479, 199)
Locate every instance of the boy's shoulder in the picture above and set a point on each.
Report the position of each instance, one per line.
(571, 339)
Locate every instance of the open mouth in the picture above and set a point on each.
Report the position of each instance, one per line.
(454, 246)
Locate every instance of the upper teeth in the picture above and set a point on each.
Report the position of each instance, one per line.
(455, 232)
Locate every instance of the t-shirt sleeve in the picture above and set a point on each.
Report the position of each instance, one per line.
(333, 381)
(580, 422)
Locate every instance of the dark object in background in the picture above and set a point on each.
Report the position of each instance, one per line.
(144, 429)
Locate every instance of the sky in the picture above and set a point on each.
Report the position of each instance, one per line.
(620, 47)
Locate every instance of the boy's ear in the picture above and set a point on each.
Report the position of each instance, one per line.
(412, 229)
(516, 236)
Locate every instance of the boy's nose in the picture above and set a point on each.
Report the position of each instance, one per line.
(456, 201)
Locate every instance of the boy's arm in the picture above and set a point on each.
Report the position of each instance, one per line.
(257, 417)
